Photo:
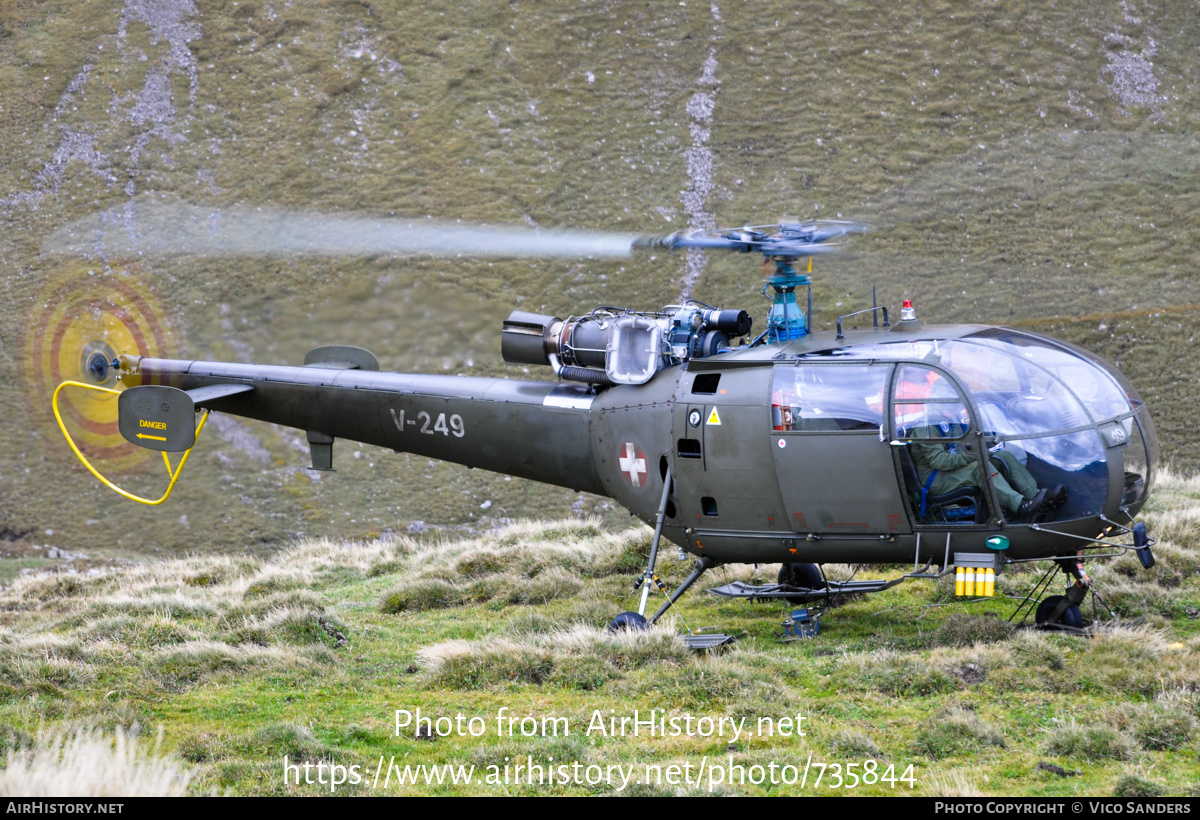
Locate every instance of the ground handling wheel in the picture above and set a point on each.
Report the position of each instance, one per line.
(807, 576)
(631, 622)
(1071, 616)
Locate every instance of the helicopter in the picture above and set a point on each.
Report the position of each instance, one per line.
(791, 447)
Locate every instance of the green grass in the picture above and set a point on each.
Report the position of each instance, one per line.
(246, 666)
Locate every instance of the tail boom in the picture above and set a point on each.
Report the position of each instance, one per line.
(527, 429)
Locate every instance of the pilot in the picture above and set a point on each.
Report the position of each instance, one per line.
(942, 468)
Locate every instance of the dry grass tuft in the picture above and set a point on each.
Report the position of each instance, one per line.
(855, 746)
(896, 673)
(529, 563)
(1156, 726)
(953, 784)
(1135, 661)
(965, 629)
(987, 657)
(423, 594)
(184, 665)
(1133, 786)
(295, 740)
(1074, 742)
(731, 679)
(156, 630)
(1039, 650)
(581, 657)
(956, 731)
(92, 764)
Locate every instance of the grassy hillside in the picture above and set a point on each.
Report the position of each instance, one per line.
(1027, 163)
(213, 668)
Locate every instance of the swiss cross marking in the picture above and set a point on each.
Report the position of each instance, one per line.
(633, 464)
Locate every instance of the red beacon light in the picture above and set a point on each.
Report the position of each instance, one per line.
(907, 314)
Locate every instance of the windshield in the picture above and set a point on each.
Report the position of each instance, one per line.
(1014, 396)
(1095, 389)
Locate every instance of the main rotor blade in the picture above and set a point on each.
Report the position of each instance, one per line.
(172, 229)
(788, 239)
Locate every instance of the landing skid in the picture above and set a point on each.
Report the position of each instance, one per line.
(1089, 629)
(771, 592)
(702, 642)
(695, 639)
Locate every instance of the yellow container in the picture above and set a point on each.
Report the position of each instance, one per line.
(989, 582)
(960, 575)
(969, 586)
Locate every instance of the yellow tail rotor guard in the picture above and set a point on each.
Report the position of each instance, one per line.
(173, 474)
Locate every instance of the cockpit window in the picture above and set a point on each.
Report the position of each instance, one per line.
(1096, 389)
(1044, 405)
(982, 369)
(1012, 395)
(1007, 363)
(942, 419)
(1042, 409)
(1033, 403)
(915, 382)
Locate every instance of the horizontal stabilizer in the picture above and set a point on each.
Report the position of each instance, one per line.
(203, 396)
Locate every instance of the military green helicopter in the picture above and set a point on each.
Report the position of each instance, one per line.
(960, 448)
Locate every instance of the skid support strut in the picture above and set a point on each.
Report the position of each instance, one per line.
(700, 566)
(648, 576)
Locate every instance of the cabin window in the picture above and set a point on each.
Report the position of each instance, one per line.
(706, 383)
(931, 420)
(828, 398)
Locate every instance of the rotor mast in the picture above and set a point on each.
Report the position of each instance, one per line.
(781, 245)
(786, 321)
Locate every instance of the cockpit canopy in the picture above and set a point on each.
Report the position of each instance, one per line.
(1069, 417)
